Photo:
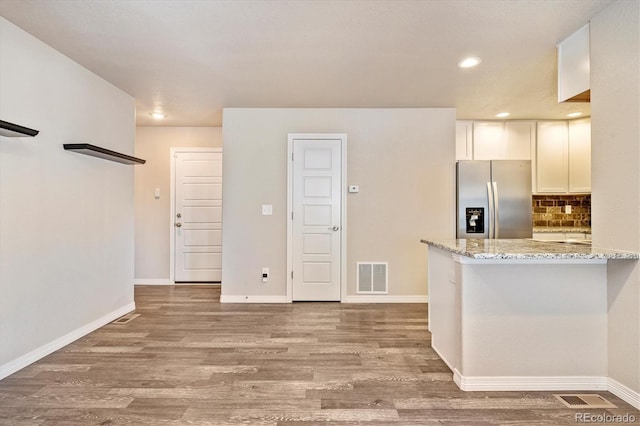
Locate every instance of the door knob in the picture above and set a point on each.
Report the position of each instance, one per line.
(178, 215)
(178, 224)
(335, 228)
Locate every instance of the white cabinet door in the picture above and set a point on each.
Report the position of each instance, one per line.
(573, 67)
(549, 236)
(519, 139)
(575, 236)
(464, 140)
(580, 156)
(551, 157)
(488, 140)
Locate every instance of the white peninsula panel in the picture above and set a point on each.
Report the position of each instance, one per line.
(520, 314)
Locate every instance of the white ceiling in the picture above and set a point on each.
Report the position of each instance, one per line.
(193, 58)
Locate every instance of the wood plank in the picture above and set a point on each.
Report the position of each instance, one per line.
(187, 359)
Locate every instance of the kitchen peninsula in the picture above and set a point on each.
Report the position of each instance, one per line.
(521, 314)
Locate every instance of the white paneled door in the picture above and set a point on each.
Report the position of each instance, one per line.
(317, 227)
(198, 216)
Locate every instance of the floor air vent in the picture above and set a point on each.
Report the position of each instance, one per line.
(372, 277)
(125, 319)
(584, 400)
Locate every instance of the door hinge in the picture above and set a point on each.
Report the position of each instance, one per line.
(292, 156)
(291, 274)
(291, 215)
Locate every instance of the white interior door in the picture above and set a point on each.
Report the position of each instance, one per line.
(198, 216)
(317, 227)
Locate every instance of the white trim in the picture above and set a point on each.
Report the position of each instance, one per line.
(172, 201)
(384, 298)
(529, 383)
(549, 383)
(625, 393)
(343, 207)
(289, 291)
(152, 281)
(44, 350)
(253, 299)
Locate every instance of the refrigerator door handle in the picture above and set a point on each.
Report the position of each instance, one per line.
(491, 211)
(496, 214)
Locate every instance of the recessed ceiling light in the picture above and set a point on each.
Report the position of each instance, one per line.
(502, 114)
(469, 62)
(574, 114)
(158, 115)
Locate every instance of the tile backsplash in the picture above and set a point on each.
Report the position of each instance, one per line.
(549, 210)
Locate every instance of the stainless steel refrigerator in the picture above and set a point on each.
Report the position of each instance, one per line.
(494, 199)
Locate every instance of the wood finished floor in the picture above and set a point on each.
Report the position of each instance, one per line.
(187, 359)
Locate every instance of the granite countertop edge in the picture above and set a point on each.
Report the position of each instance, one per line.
(521, 249)
(566, 229)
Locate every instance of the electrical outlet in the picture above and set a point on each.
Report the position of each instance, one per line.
(265, 275)
(567, 209)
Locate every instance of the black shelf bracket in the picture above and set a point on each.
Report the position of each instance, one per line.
(107, 154)
(12, 130)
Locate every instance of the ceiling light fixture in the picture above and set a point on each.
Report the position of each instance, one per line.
(574, 114)
(502, 114)
(158, 115)
(469, 62)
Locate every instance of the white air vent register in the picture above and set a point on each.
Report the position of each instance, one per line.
(372, 277)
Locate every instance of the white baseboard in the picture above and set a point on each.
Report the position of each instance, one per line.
(379, 298)
(625, 393)
(548, 383)
(530, 383)
(253, 299)
(152, 281)
(44, 350)
(385, 298)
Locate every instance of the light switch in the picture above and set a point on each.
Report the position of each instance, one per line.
(567, 209)
(267, 210)
(354, 188)
(156, 193)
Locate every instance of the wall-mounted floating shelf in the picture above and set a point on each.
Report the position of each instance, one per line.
(107, 154)
(12, 130)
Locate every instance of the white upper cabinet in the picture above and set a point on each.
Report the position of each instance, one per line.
(564, 157)
(503, 140)
(520, 138)
(573, 67)
(488, 140)
(464, 140)
(580, 156)
(560, 151)
(552, 155)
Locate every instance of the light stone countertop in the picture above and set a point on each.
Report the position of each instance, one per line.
(568, 229)
(526, 249)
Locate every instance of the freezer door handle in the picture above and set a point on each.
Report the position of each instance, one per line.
(491, 229)
(496, 214)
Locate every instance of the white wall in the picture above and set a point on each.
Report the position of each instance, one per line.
(153, 215)
(66, 219)
(403, 160)
(615, 136)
